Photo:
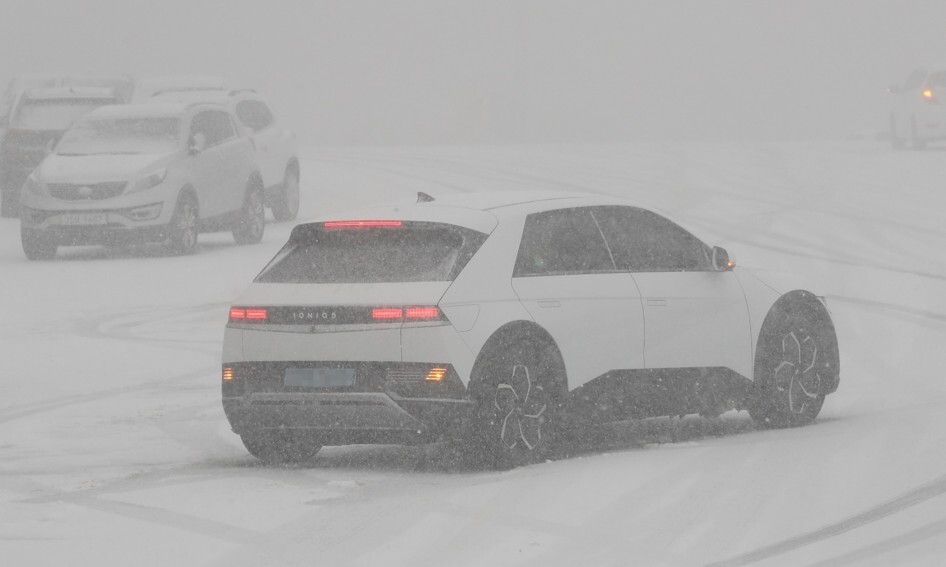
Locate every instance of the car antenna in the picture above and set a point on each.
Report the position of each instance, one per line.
(424, 197)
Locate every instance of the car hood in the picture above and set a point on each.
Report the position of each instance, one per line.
(104, 167)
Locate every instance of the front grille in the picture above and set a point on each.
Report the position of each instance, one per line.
(87, 192)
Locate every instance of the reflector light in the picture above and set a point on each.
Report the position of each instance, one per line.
(361, 223)
(387, 313)
(237, 313)
(227, 373)
(928, 94)
(256, 314)
(436, 374)
(431, 312)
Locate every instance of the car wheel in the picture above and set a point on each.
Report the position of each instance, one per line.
(281, 446)
(794, 369)
(37, 246)
(251, 219)
(184, 226)
(518, 394)
(916, 141)
(286, 204)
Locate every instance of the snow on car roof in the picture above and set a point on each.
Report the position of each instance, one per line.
(183, 82)
(216, 96)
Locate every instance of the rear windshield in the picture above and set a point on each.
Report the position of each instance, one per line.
(413, 252)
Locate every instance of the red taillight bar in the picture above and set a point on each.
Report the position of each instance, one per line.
(397, 313)
(431, 312)
(248, 314)
(387, 313)
(361, 223)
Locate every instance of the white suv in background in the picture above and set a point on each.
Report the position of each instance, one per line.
(144, 173)
(276, 148)
(918, 109)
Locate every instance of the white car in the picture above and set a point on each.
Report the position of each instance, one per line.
(499, 318)
(277, 151)
(918, 109)
(144, 173)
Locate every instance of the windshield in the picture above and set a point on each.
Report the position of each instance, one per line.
(56, 114)
(417, 253)
(121, 136)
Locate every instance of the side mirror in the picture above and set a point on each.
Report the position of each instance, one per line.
(198, 143)
(721, 261)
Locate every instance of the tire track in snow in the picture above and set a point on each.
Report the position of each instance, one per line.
(27, 410)
(884, 306)
(856, 557)
(909, 499)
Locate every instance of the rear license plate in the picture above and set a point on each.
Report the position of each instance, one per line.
(84, 219)
(319, 377)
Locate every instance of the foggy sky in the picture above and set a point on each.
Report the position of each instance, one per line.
(351, 72)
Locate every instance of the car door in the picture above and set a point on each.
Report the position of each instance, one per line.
(221, 167)
(565, 278)
(694, 316)
(270, 141)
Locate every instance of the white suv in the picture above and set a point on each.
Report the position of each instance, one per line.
(276, 147)
(918, 109)
(144, 173)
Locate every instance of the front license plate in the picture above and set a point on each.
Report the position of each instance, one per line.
(319, 377)
(84, 219)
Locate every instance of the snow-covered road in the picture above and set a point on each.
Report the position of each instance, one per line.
(114, 449)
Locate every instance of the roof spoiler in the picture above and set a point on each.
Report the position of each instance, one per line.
(424, 197)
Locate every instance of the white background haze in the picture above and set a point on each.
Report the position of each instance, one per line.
(496, 71)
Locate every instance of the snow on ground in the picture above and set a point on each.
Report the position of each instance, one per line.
(114, 449)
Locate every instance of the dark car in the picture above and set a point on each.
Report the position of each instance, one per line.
(37, 121)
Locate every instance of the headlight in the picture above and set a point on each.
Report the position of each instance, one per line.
(152, 180)
(35, 186)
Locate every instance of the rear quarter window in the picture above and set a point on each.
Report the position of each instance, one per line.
(413, 252)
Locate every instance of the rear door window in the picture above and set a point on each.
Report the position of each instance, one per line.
(254, 114)
(411, 252)
(562, 242)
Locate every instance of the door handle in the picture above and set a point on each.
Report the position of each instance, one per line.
(656, 302)
(549, 304)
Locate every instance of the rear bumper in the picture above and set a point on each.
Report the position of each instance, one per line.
(349, 418)
(389, 402)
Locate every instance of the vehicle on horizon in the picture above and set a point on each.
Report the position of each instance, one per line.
(277, 152)
(501, 321)
(127, 174)
(38, 118)
(918, 109)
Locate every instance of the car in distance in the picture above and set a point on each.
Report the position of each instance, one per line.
(144, 173)
(499, 319)
(39, 117)
(277, 151)
(918, 109)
